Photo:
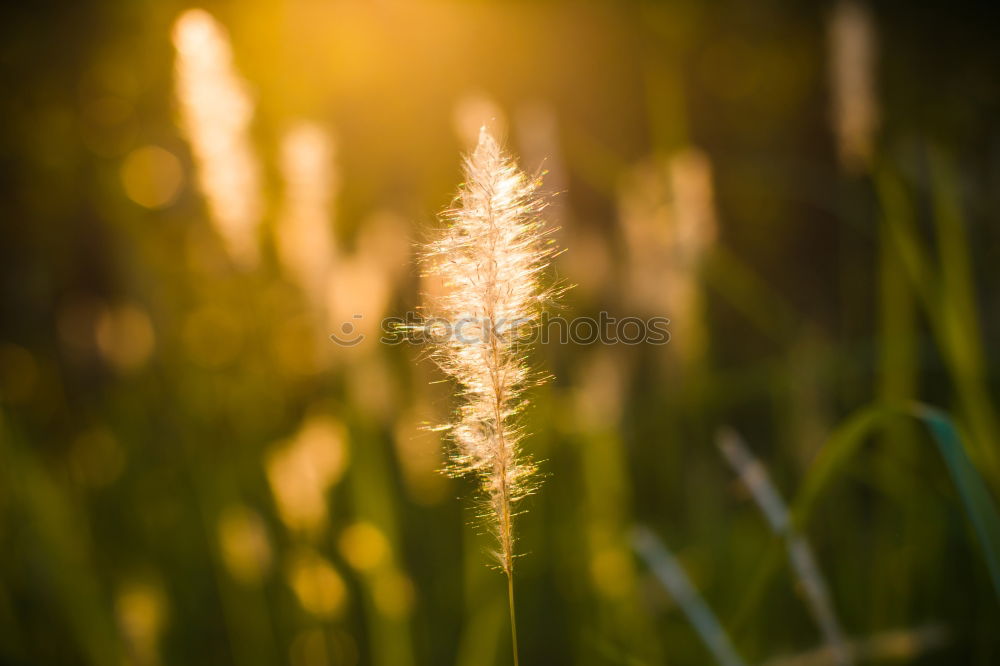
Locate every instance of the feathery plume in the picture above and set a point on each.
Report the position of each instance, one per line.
(853, 52)
(490, 259)
(305, 239)
(667, 212)
(215, 111)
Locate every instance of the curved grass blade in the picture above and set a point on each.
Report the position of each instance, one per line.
(979, 505)
(755, 477)
(671, 574)
(839, 448)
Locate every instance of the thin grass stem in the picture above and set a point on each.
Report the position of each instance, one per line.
(513, 616)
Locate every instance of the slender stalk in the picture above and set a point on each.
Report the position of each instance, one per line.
(491, 258)
(665, 567)
(513, 619)
(499, 393)
(817, 595)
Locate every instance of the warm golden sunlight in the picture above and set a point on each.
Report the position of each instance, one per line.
(482, 333)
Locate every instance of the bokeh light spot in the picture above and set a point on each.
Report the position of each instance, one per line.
(393, 593)
(152, 176)
(141, 608)
(301, 471)
(125, 337)
(245, 546)
(317, 585)
(363, 546)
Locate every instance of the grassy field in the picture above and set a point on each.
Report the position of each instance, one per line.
(209, 455)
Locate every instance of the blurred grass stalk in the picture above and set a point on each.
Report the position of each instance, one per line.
(485, 613)
(854, 56)
(833, 462)
(948, 298)
(899, 365)
(387, 591)
(216, 111)
(961, 331)
(671, 574)
(667, 211)
(60, 550)
(898, 645)
(246, 614)
(853, 52)
(304, 238)
(817, 595)
(246, 611)
(905, 272)
(977, 501)
(606, 510)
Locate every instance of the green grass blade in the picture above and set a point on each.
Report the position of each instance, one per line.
(816, 593)
(960, 333)
(840, 449)
(948, 296)
(976, 498)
